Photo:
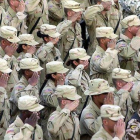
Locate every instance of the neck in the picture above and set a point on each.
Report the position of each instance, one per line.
(57, 1)
(103, 47)
(103, 13)
(27, 78)
(22, 118)
(12, 7)
(110, 133)
(128, 34)
(97, 103)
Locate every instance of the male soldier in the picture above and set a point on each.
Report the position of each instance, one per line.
(8, 40)
(70, 29)
(113, 127)
(15, 16)
(96, 16)
(25, 126)
(122, 80)
(4, 101)
(56, 12)
(105, 58)
(129, 39)
(77, 75)
(63, 123)
(100, 93)
(27, 85)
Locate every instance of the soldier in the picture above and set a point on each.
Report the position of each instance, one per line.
(27, 47)
(100, 93)
(15, 16)
(4, 101)
(56, 74)
(77, 75)
(25, 126)
(4, 4)
(8, 42)
(48, 51)
(56, 12)
(70, 29)
(27, 85)
(137, 71)
(105, 58)
(63, 123)
(123, 82)
(113, 125)
(129, 40)
(96, 16)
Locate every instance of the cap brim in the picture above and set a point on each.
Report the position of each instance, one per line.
(54, 35)
(77, 10)
(37, 109)
(88, 92)
(32, 43)
(37, 69)
(112, 36)
(63, 71)
(116, 118)
(131, 79)
(6, 70)
(14, 40)
(76, 97)
(85, 58)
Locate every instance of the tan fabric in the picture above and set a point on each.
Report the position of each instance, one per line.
(19, 130)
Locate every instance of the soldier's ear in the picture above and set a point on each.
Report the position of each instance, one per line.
(53, 76)
(24, 47)
(69, 13)
(129, 29)
(11, 2)
(46, 39)
(75, 63)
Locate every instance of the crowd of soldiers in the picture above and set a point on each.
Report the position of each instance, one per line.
(69, 70)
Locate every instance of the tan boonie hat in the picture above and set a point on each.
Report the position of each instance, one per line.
(123, 74)
(9, 33)
(66, 91)
(27, 39)
(107, 32)
(30, 103)
(31, 64)
(112, 1)
(49, 30)
(78, 53)
(73, 5)
(4, 66)
(56, 66)
(129, 21)
(138, 58)
(98, 86)
(113, 112)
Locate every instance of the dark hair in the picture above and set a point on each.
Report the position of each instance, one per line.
(20, 49)
(70, 62)
(40, 35)
(48, 76)
(66, 11)
(96, 1)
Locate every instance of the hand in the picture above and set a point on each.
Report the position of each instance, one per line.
(128, 86)
(34, 79)
(21, 7)
(10, 50)
(33, 119)
(75, 17)
(109, 99)
(73, 105)
(61, 79)
(85, 63)
(111, 44)
(55, 40)
(4, 80)
(138, 33)
(119, 129)
(31, 50)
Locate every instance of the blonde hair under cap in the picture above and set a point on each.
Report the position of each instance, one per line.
(113, 112)
(66, 91)
(4, 66)
(98, 86)
(55, 66)
(131, 20)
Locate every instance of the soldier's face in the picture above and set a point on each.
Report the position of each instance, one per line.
(107, 5)
(85, 63)
(15, 3)
(134, 29)
(60, 75)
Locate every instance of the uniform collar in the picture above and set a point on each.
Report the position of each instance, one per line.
(93, 105)
(124, 37)
(108, 136)
(99, 49)
(137, 75)
(2, 51)
(24, 80)
(18, 122)
(11, 11)
(51, 84)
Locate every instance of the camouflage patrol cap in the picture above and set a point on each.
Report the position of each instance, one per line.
(98, 86)
(49, 30)
(123, 74)
(66, 91)
(4, 66)
(9, 33)
(107, 32)
(55, 66)
(31, 64)
(113, 112)
(30, 103)
(27, 39)
(129, 21)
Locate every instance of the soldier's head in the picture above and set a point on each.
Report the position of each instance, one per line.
(28, 105)
(98, 90)
(29, 66)
(105, 35)
(13, 4)
(66, 94)
(71, 8)
(131, 25)
(121, 77)
(48, 33)
(110, 114)
(8, 35)
(106, 4)
(26, 42)
(78, 56)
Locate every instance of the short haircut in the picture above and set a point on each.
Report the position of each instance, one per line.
(96, 1)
